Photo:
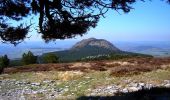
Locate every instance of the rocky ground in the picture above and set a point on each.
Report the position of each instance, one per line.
(130, 86)
(48, 90)
(23, 90)
(71, 81)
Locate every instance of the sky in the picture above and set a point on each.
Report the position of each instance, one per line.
(148, 21)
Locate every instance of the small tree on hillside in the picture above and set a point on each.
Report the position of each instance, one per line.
(4, 62)
(50, 58)
(29, 58)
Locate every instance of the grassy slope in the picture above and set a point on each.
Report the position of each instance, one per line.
(80, 83)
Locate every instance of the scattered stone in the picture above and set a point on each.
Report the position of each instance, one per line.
(48, 81)
(132, 89)
(129, 87)
(149, 86)
(35, 84)
(18, 90)
(66, 89)
(167, 85)
(133, 84)
(52, 95)
(87, 77)
(167, 81)
(66, 86)
(125, 90)
(141, 84)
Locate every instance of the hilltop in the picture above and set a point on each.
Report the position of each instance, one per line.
(93, 42)
(91, 48)
(85, 48)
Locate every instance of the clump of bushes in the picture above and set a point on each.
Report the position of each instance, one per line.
(28, 58)
(50, 58)
(4, 62)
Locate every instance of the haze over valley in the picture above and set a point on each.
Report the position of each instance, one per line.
(155, 48)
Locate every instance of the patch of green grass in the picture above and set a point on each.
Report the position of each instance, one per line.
(20, 76)
(83, 85)
(34, 88)
(33, 76)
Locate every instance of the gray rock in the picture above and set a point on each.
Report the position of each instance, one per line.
(114, 91)
(35, 84)
(167, 85)
(132, 89)
(48, 81)
(66, 89)
(141, 84)
(167, 81)
(149, 86)
(133, 84)
(125, 90)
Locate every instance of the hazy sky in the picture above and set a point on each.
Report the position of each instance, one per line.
(149, 21)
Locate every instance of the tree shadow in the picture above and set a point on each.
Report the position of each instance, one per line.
(156, 93)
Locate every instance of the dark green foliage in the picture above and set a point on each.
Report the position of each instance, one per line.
(127, 55)
(58, 19)
(13, 10)
(96, 58)
(17, 62)
(4, 62)
(29, 58)
(114, 56)
(79, 54)
(50, 58)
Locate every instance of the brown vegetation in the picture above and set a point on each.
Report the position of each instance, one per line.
(117, 68)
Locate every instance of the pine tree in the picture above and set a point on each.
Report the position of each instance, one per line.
(58, 19)
(50, 58)
(29, 58)
(4, 62)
